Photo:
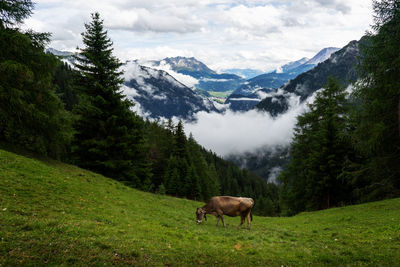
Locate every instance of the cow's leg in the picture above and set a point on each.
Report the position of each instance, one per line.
(222, 218)
(241, 221)
(217, 220)
(248, 220)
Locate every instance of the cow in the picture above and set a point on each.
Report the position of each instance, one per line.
(226, 205)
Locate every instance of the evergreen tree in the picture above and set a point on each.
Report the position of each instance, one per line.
(13, 12)
(180, 141)
(377, 134)
(161, 189)
(193, 189)
(172, 178)
(31, 115)
(318, 154)
(109, 136)
(63, 79)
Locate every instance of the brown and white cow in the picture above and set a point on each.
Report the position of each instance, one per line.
(226, 205)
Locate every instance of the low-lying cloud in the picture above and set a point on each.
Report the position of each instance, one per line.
(187, 80)
(240, 132)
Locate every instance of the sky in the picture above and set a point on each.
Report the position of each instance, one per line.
(223, 34)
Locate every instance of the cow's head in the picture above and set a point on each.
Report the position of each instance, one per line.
(200, 214)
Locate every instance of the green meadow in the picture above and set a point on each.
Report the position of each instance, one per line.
(220, 94)
(56, 214)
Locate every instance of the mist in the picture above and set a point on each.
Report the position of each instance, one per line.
(240, 132)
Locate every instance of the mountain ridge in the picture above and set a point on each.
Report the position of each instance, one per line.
(249, 91)
(340, 65)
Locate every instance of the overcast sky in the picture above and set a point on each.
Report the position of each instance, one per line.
(260, 34)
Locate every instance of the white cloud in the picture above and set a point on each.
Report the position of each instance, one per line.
(273, 174)
(223, 34)
(187, 80)
(240, 132)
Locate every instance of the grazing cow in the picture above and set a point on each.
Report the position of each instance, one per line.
(225, 205)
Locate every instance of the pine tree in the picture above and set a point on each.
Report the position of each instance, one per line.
(31, 114)
(63, 79)
(109, 136)
(377, 134)
(13, 12)
(180, 141)
(171, 177)
(318, 153)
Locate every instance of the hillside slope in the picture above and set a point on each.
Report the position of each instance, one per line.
(57, 214)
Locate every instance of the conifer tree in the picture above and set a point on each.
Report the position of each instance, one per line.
(318, 153)
(180, 141)
(171, 177)
(31, 114)
(63, 79)
(14, 11)
(377, 134)
(109, 135)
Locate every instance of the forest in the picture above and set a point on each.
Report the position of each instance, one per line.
(345, 150)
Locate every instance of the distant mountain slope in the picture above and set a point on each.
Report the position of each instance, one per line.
(265, 162)
(294, 64)
(160, 95)
(239, 102)
(340, 65)
(190, 66)
(156, 93)
(244, 73)
(289, 71)
(208, 79)
(270, 81)
(58, 52)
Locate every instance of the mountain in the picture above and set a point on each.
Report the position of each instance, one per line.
(58, 52)
(265, 162)
(293, 64)
(189, 66)
(64, 56)
(208, 79)
(270, 81)
(340, 65)
(244, 73)
(157, 94)
(322, 55)
(239, 102)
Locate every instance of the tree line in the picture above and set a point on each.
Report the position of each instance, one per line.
(346, 148)
(79, 115)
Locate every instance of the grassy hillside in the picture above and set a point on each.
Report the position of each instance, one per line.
(57, 214)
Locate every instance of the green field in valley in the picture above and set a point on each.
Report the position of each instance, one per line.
(220, 94)
(59, 215)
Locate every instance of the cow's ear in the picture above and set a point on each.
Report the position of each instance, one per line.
(205, 217)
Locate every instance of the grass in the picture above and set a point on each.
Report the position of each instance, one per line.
(220, 94)
(57, 214)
